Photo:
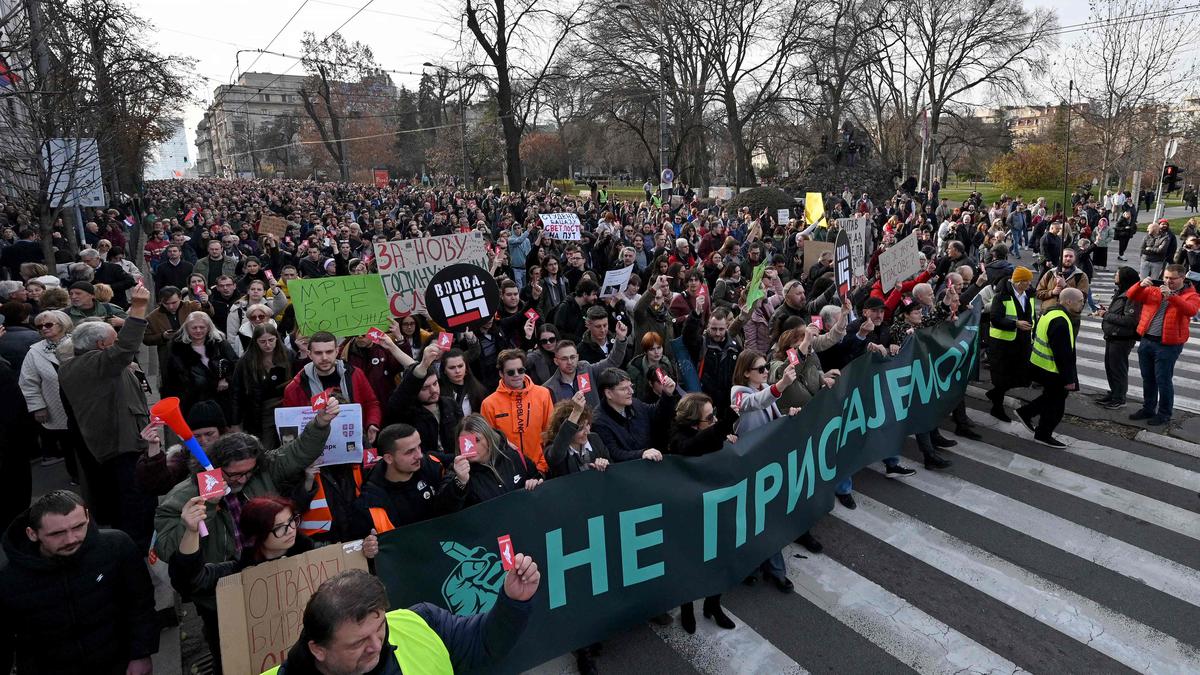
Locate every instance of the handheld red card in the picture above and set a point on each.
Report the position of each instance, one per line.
(270, 276)
(370, 457)
(321, 400)
(532, 314)
(466, 446)
(662, 375)
(584, 382)
(374, 335)
(793, 357)
(445, 341)
(507, 557)
(737, 400)
(816, 321)
(211, 484)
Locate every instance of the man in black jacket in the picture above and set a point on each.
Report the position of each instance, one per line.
(109, 273)
(173, 270)
(418, 401)
(407, 486)
(74, 598)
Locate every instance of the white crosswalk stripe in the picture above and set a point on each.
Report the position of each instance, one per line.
(1073, 516)
(1133, 644)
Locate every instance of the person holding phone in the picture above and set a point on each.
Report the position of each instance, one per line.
(1167, 311)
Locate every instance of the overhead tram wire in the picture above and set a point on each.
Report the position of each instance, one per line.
(276, 37)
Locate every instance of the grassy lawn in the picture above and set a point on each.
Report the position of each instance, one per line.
(957, 192)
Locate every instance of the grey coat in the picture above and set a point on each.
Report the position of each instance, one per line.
(106, 396)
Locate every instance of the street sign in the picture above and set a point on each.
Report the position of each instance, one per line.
(1172, 148)
(668, 176)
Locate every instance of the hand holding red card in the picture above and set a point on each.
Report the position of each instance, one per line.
(466, 445)
(507, 556)
(445, 341)
(662, 376)
(584, 382)
(793, 357)
(211, 484)
(737, 400)
(321, 400)
(374, 335)
(816, 321)
(532, 314)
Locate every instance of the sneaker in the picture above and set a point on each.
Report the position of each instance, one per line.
(1159, 420)
(1050, 442)
(1103, 399)
(940, 441)
(898, 471)
(810, 543)
(935, 463)
(1026, 421)
(1113, 405)
(967, 432)
(847, 500)
(1141, 415)
(1000, 413)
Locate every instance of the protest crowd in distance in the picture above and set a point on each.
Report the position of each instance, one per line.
(289, 376)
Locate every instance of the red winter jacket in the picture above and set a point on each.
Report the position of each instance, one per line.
(1181, 307)
(892, 300)
(296, 394)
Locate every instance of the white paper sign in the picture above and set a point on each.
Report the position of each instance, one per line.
(561, 226)
(344, 445)
(781, 216)
(406, 266)
(859, 231)
(615, 281)
(899, 262)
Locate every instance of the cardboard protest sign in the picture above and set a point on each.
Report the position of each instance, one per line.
(899, 262)
(274, 226)
(381, 178)
(260, 609)
(859, 231)
(462, 297)
(813, 251)
(615, 281)
(782, 216)
(562, 226)
(407, 266)
(344, 306)
(344, 445)
(841, 263)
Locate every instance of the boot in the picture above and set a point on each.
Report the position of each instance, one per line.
(712, 610)
(810, 543)
(584, 662)
(687, 617)
(934, 462)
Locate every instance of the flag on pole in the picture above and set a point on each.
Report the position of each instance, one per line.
(814, 209)
(756, 287)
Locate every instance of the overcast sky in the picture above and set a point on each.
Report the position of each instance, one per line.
(403, 33)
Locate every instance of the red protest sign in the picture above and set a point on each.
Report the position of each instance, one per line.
(374, 335)
(793, 357)
(583, 382)
(321, 400)
(532, 314)
(445, 341)
(507, 556)
(211, 484)
(466, 445)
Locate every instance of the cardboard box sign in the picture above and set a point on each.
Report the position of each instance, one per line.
(261, 609)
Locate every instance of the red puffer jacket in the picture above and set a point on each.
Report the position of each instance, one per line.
(1181, 307)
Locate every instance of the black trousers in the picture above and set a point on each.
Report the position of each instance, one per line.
(114, 498)
(1122, 245)
(1050, 405)
(1116, 367)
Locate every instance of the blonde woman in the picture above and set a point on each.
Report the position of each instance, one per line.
(200, 365)
(39, 386)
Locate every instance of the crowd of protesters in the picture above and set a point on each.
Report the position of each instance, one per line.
(209, 294)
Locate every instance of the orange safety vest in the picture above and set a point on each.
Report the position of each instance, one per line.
(318, 518)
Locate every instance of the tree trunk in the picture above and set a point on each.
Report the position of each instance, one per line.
(512, 132)
(743, 171)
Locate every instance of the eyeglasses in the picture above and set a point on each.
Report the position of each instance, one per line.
(44, 326)
(282, 530)
(513, 372)
(238, 475)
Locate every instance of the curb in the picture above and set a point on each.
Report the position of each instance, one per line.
(1143, 435)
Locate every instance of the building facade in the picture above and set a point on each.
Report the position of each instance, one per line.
(226, 134)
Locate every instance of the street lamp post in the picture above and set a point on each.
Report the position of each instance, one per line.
(1067, 150)
(661, 52)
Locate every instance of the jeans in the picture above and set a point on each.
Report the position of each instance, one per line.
(846, 486)
(519, 276)
(1116, 368)
(1018, 238)
(774, 566)
(1152, 270)
(1091, 303)
(1157, 362)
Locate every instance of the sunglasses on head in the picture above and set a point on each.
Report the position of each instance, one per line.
(513, 372)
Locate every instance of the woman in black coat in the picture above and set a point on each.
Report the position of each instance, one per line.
(1125, 229)
(696, 430)
(200, 365)
(1119, 325)
(570, 445)
(497, 468)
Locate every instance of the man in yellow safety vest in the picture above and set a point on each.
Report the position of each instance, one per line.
(348, 630)
(1053, 366)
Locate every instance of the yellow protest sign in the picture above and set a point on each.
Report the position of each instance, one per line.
(814, 209)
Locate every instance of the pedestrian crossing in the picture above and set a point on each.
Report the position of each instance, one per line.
(1018, 558)
(1090, 355)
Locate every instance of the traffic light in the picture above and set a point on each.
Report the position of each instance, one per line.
(1170, 178)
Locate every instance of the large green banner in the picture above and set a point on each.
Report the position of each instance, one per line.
(620, 546)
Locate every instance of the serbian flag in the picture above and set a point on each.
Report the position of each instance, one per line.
(7, 77)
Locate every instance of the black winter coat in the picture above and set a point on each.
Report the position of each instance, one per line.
(507, 473)
(437, 433)
(91, 612)
(187, 377)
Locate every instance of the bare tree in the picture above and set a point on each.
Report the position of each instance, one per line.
(1127, 66)
(338, 72)
(521, 40)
